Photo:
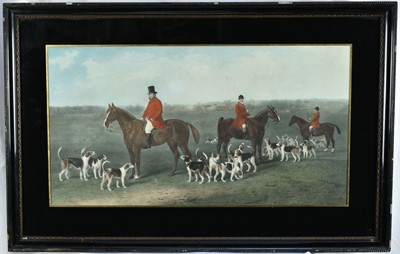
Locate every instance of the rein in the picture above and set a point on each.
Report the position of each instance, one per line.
(124, 127)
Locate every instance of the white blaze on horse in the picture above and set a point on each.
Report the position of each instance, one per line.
(175, 134)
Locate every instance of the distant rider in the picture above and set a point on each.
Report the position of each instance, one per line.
(314, 120)
(241, 114)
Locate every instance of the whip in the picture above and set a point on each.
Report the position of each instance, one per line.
(250, 105)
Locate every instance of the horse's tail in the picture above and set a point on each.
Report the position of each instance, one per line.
(337, 128)
(220, 120)
(195, 132)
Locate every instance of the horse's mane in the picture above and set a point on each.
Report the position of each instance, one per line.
(300, 119)
(127, 113)
(260, 115)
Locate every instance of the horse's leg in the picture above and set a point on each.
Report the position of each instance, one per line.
(333, 143)
(174, 149)
(185, 150)
(259, 147)
(254, 146)
(132, 158)
(137, 153)
(328, 141)
(225, 146)
(219, 144)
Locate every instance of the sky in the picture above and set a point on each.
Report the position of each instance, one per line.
(98, 75)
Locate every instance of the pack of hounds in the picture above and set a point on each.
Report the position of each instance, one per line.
(89, 161)
(210, 166)
(206, 165)
(287, 145)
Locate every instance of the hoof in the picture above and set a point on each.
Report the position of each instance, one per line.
(134, 177)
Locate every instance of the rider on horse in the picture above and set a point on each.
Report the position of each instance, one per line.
(153, 115)
(241, 114)
(314, 120)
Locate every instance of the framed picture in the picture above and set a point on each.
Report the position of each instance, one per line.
(200, 127)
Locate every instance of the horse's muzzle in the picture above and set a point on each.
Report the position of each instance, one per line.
(107, 126)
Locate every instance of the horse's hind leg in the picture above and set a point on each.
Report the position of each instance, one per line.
(185, 150)
(174, 149)
(333, 144)
(225, 146)
(328, 141)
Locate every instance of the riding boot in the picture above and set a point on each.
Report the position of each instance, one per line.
(148, 145)
(245, 133)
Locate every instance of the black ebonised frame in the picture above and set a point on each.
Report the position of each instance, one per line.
(363, 226)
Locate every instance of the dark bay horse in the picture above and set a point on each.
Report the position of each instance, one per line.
(175, 134)
(255, 129)
(326, 129)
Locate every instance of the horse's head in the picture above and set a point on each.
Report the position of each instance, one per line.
(273, 114)
(292, 120)
(112, 115)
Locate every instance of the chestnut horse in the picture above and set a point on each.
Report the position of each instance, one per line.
(325, 129)
(175, 134)
(255, 130)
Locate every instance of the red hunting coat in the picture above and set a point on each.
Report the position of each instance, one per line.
(241, 114)
(314, 121)
(154, 112)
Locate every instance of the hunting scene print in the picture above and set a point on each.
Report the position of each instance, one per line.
(199, 126)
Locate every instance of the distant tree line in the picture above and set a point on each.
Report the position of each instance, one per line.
(288, 105)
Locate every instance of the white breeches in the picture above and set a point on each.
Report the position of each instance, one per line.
(149, 127)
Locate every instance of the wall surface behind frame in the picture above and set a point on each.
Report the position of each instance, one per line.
(3, 220)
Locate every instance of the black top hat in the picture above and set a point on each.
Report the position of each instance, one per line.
(240, 97)
(316, 108)
(151, 89)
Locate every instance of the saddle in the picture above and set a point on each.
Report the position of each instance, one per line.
(316, 132)
(239, 129)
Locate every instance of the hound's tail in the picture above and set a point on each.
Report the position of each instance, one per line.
(102, 165)
(195, 132)
(83, 151)
(58, 153)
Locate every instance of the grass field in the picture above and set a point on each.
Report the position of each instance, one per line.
(310, 182)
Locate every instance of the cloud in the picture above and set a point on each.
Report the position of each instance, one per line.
(66, 60)
(189, 75)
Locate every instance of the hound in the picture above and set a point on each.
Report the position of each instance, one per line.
(294, 150)
(233, 168)
(213, 163)
(80, 164)
(95, 164)
(245, 158)
(270, 149)
(118, 173)
(211, 140)
(319, 143)
(308, 150)
(197, 168)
